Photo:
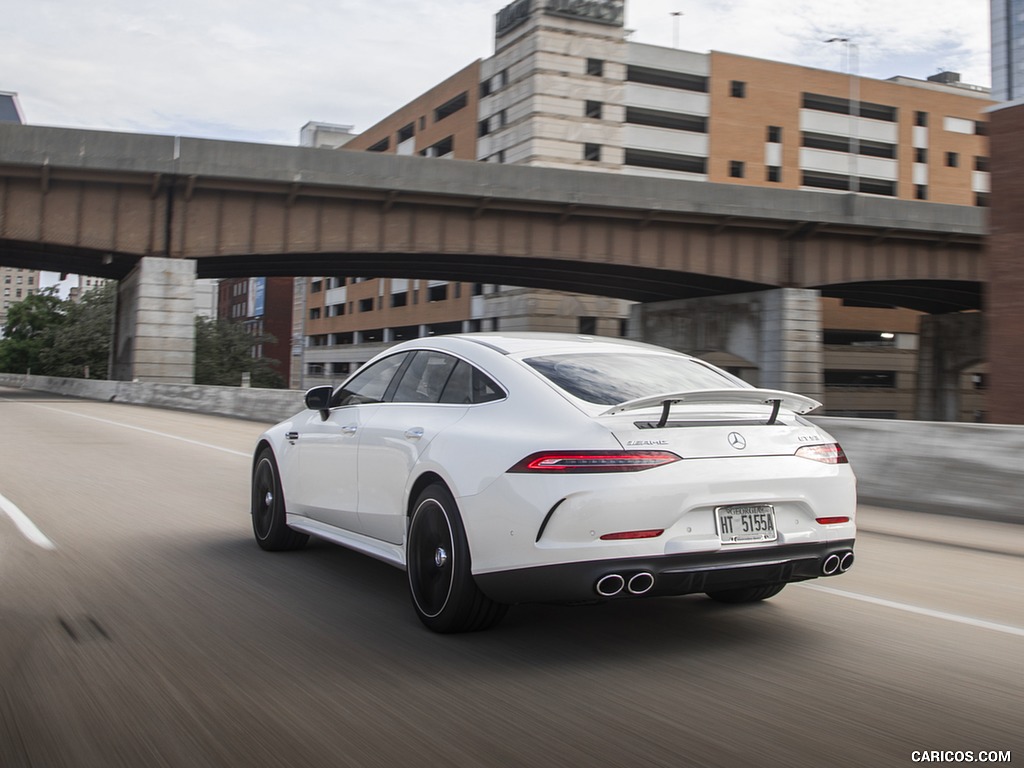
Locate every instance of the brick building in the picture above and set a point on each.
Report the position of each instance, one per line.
(565, 88)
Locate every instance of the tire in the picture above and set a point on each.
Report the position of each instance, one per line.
(444, 593)
(747, 594)
(268, 509)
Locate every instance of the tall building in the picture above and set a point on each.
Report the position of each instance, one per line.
(565, 88)
(16, 284)
(1007, 49)
(264, 306)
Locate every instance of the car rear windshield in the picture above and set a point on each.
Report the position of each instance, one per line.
(613, 378)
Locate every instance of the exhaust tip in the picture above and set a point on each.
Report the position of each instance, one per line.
(831, 564)
(610, 585)
(846, 562)
(640, 583)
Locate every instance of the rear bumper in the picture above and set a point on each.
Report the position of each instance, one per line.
(679, 574)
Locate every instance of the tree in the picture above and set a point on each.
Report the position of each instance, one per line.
(81, 345)
(224, 351)
(31, 326)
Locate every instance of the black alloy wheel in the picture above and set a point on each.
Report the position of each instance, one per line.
(444, 593)
(268, 509)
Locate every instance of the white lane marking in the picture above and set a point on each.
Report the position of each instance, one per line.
(980, 623)
(26, 526)
(141, 429)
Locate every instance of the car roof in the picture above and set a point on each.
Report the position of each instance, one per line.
(529, 344)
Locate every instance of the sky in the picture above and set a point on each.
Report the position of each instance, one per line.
(258, 70)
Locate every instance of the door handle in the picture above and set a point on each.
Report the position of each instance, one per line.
(349, 429)
(414, 433)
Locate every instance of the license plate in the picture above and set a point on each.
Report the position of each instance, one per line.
(746, 523)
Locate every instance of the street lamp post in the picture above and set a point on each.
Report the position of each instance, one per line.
(852, 70)
(675, 27)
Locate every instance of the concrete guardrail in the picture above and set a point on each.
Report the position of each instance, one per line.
(969, 470)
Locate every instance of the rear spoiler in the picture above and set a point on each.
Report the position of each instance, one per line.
(744, 396)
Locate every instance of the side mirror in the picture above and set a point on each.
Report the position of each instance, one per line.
(319, 399)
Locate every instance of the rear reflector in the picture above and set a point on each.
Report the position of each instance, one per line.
(633, 535)
(577, 462)
(831, 520)
(829, 453)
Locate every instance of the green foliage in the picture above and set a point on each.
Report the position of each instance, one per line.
(31, 326)
(224, 353)
(51, 337)
(81, 344)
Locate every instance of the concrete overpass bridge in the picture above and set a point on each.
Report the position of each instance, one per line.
(156, 211)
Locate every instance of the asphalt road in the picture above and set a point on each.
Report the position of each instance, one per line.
(141, 626)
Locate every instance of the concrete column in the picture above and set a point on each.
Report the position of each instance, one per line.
(155, 338)
(947, 345)
(777, 331)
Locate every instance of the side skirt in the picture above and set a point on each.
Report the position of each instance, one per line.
(392, 554)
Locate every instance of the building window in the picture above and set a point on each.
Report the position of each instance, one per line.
(672, 120)
(483, 127)
(952, 159)
(366, 305)
(644, 158)
(399, 299)
(595, 67)
(502, 118)
(774, 173)
(840, 106)
(738, 89)
(736, 169)
(592, 152)
(437, 292)
(444, 147)
(774, 134)
(314, 313)
(981, 199)
(921, 119)
(861, 379)
(587, 326)
(981, 128)
(381, 146)
(980, 164)
(592, 109)
(667, 79)
(316, 286)
(451, 106)
(920, 155)
(423, 122)
(920, 192)
(406, 133)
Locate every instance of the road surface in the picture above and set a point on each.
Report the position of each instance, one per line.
(141, 626)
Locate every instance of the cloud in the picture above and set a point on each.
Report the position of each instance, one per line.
(259, 69)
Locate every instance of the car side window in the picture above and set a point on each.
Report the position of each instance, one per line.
(371, 384)
(425, 378)
(470, 385)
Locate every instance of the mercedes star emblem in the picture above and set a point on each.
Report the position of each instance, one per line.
(737, 441)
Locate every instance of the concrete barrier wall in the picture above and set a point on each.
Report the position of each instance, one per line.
(971, 470)
(268, 405)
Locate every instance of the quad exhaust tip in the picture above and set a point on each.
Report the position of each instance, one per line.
(640, 583)
(610, 585)
(837, 562)
(613, 584)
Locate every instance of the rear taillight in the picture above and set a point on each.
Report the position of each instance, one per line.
(839, 520)
(577, 462)
(829, 453)
(630, 535)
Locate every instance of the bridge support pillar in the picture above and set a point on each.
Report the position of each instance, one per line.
(947, 345)
(154, 338)
(777, 331)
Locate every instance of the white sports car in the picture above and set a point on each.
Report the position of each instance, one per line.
(507, 468)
